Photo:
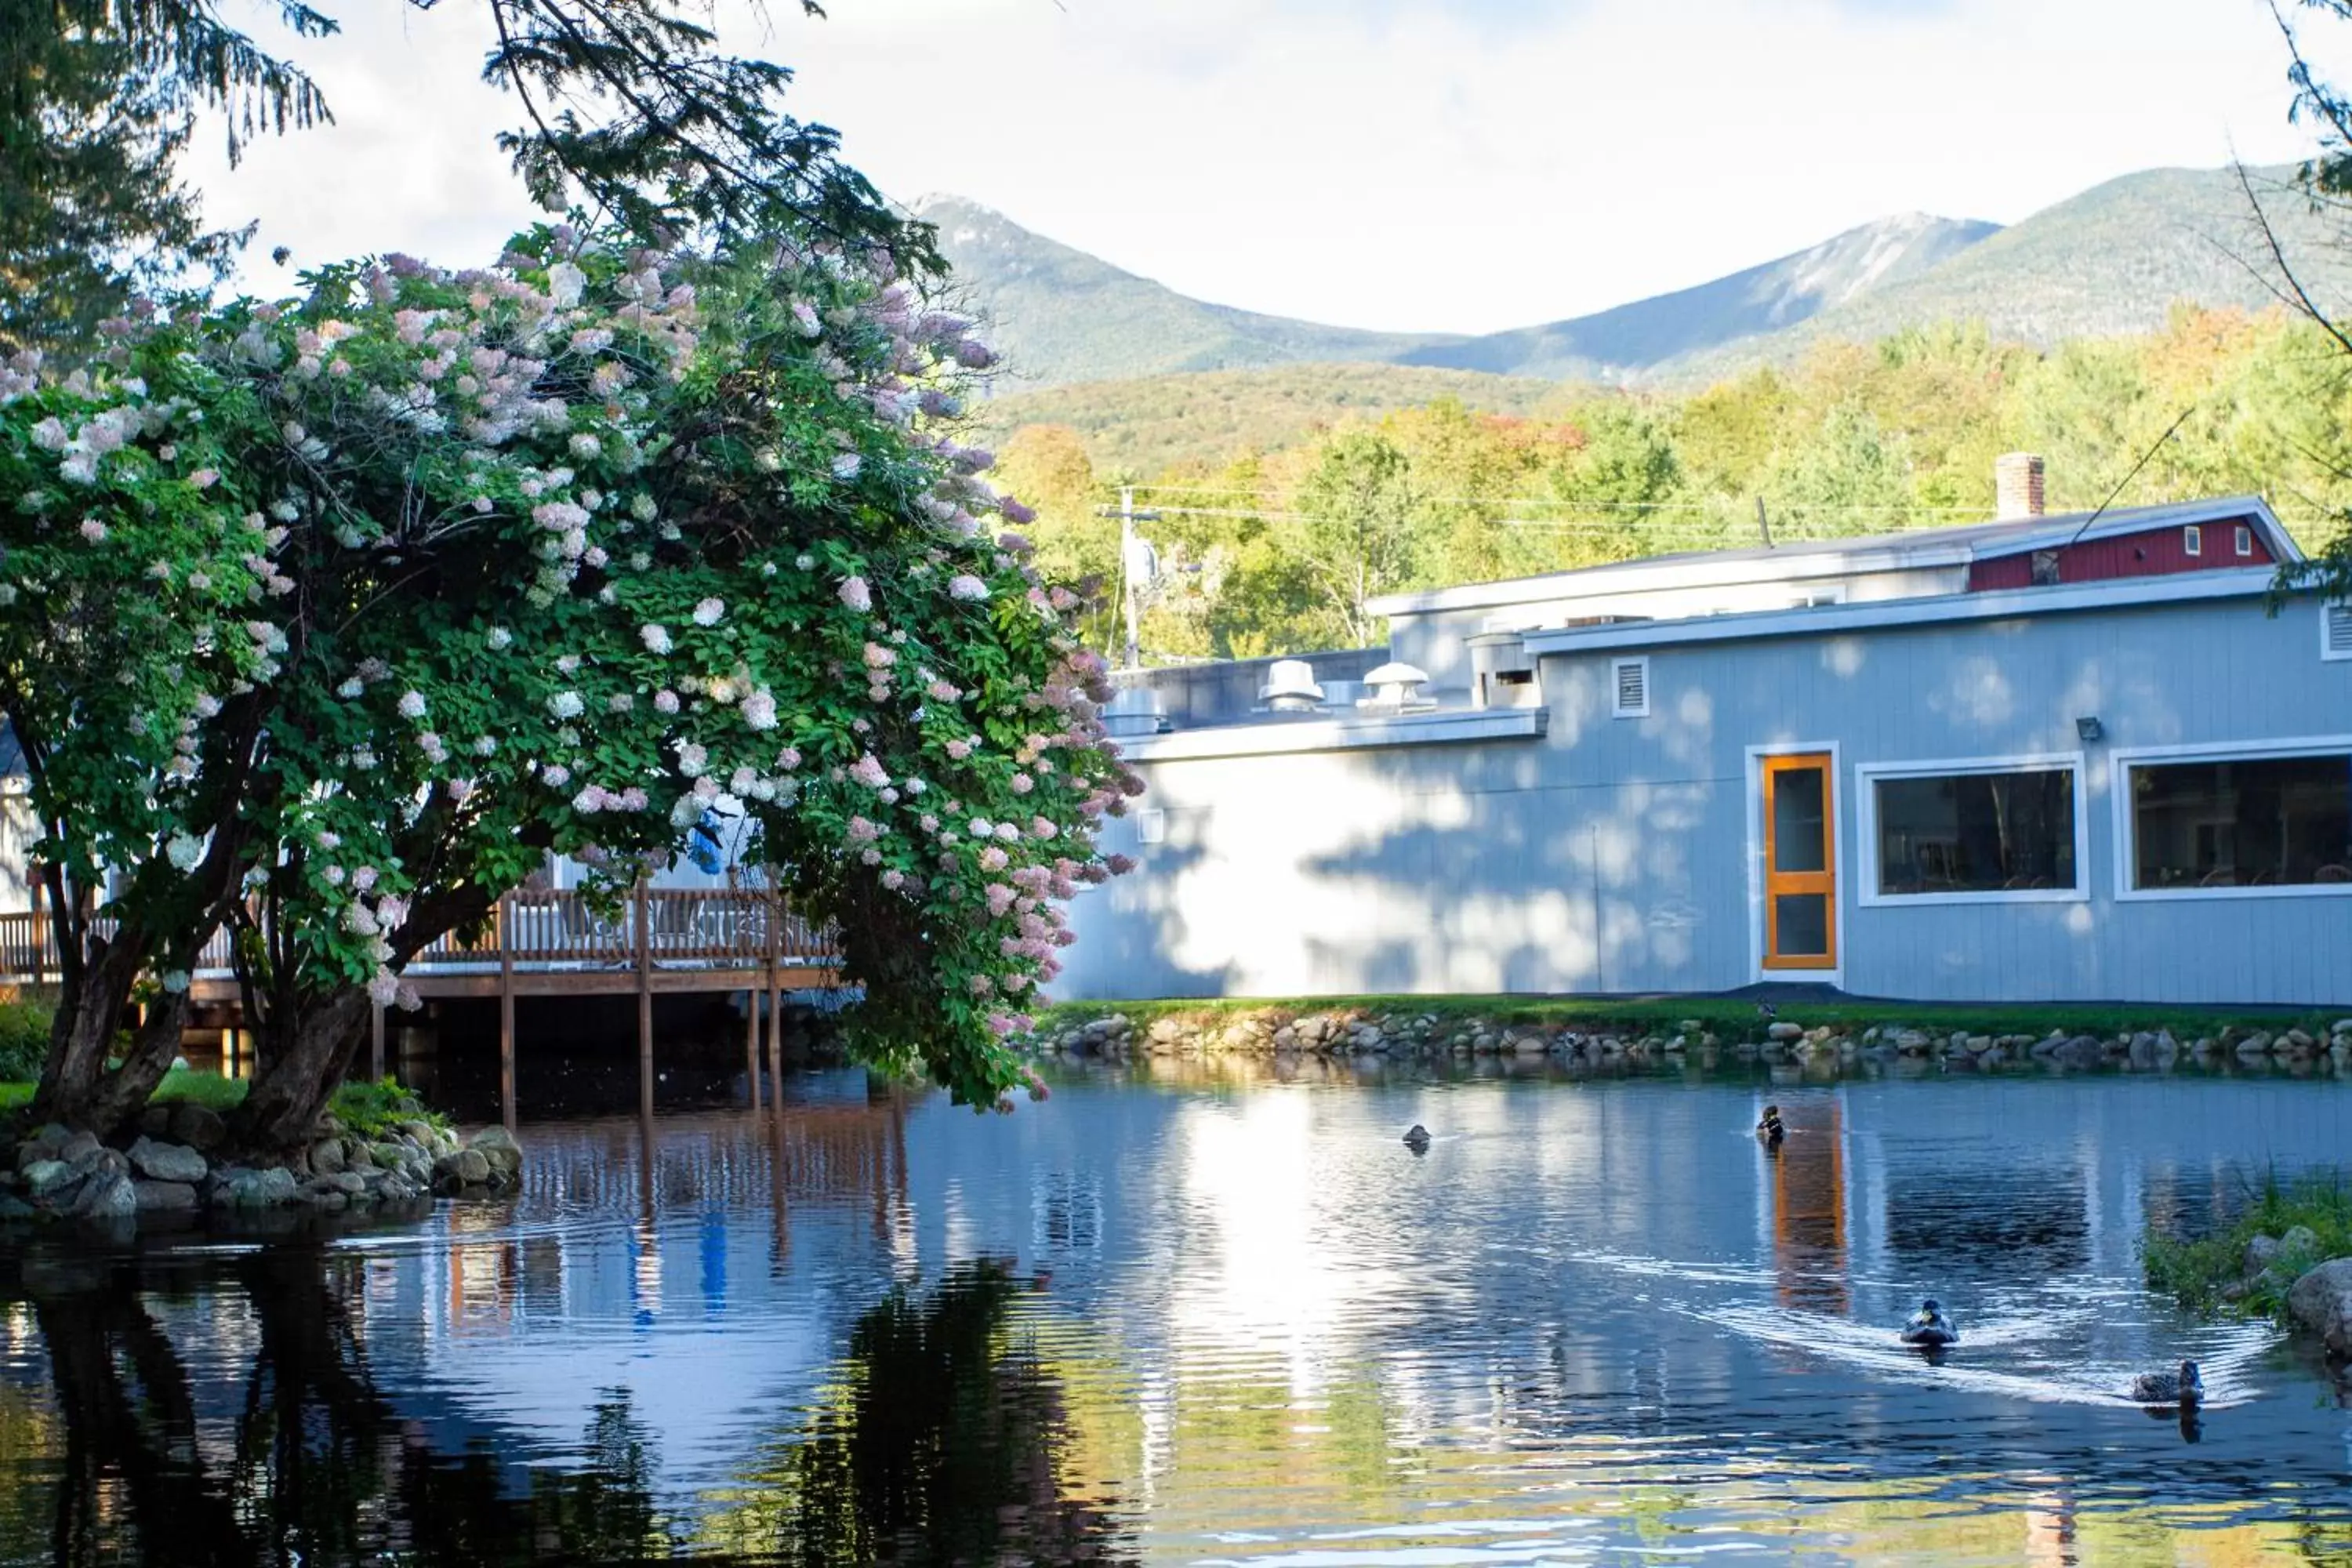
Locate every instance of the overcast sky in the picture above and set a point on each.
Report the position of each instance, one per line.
(1430, 164)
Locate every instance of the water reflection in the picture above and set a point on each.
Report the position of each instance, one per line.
(1209, 1322)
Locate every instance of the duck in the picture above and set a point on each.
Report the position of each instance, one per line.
(1417, 1139)
(2184, 1388)
(1928, 1326)
(1770, 1129)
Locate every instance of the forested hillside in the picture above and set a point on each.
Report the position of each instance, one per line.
(1267, 538)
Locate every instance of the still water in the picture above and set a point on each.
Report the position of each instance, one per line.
(1222, 1322)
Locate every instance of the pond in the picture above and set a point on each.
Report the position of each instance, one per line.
(1214, 1322)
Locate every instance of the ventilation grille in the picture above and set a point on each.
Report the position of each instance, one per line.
(2336, 630)
(1630, 681)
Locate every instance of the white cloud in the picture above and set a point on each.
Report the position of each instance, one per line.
(1405, 163)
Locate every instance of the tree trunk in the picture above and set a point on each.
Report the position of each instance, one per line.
(84, 1032)
(305, 1057)
(122, 1094)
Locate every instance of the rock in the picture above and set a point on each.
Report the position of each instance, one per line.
(156, 1121)
(2258, 1255)
(16, 1209)
(2298, 1249)
(2082, 1051)
(468, 1167)
(392, 1156)
(2143, 1051)
(327, 1157)
(1911, 1042)
(2254, 1050)
(112, 1197)
(1785, 1031)
(2321, 1303)
(167, 1162)
(198, 1127)
(43, 1177)
(347, 1182)
(165, 1197)
(78, 1148)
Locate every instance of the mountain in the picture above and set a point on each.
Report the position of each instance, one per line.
(1060, 315)
(1631, 339)
(2112, 260)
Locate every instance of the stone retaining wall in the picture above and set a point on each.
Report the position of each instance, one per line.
(169, 1168)
(1278, 1032)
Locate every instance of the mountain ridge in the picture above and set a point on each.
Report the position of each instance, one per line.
(2113, 258)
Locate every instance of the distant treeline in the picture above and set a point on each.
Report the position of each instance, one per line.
(1275, 544)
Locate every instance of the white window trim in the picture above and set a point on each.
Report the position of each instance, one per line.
(1841, 842)
(2244, 543)
(1615, 685)
(2192, 539)
(2328, 654)
(1866, 796)
(2120, 812)
(1152, 826)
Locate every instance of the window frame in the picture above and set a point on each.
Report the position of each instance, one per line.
(2244, 541)
(2330, 651)
(1866, 776)
(2192, 539)
(1616, 686)
(2126, 846)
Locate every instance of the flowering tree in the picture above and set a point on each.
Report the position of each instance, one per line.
(329, 618)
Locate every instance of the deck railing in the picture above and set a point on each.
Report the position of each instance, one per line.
(680, 928)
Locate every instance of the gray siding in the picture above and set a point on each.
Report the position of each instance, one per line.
(1614, 854)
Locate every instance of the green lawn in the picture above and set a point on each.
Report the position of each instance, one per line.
(368, 1108)
(1732, 1018)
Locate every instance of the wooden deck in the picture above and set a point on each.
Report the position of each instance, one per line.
(656, 941)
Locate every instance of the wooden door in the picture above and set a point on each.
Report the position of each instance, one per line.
(1800, 863)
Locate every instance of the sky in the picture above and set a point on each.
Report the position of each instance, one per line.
(1459, 165)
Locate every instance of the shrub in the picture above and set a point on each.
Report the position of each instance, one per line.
(376, 1110)
(24, 1040)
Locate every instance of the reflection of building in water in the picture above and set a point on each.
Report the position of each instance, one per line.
(1809, 1206)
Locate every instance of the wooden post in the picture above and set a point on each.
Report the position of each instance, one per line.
(505, 933)
(644, 1000)
(752, 1000)
(775, 1003)
(376, 1044)
(40, 929)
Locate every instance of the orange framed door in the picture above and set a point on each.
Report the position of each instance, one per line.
(1800, 863)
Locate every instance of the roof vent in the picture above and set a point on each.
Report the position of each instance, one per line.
(1396, 688)
(1290, 687)
(1133, 711)
(2017, 487)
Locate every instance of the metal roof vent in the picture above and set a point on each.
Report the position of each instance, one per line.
(1396, 688)
(1133, 711)
(1290, 687)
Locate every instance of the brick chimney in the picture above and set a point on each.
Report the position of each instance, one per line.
(2017, 487)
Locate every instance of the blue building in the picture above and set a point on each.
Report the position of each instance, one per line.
(2041, 759)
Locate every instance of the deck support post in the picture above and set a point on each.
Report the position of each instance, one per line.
(752, 1000)
(644, 1002)
(505, 934)
(40, 927)
(775, 1003)
(375, 1043)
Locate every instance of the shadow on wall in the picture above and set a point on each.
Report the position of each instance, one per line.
(1131, 930)
(1589, 889)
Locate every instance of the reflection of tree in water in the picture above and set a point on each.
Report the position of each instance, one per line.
(320, 1465)
(941, 1442)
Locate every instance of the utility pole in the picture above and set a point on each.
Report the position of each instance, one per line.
(1128, 518)
(1763, 523)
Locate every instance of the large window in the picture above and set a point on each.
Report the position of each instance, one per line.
(1974, 830)
(2241, 822)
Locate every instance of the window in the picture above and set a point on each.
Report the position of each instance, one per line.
(2241, 822)
(2045, 568)
(1152, 826)
(2006, 829)
(1629, 687)
(2336, 630)
(2245, 540)
(2192, 541)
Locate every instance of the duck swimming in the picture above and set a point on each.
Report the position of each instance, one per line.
(2184, 1388)
(1769, 1129)
(1417, 1139)
(1928, 1326)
